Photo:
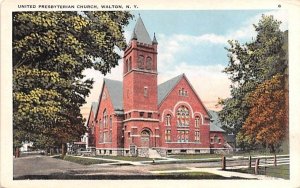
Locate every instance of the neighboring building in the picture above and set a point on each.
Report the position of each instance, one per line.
(91, 126)
(216, 128)
(137, 115)
(26, 146)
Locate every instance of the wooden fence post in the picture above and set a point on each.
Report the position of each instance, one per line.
(250, 160)
(256, 166)
(275, 160)
(223, 163)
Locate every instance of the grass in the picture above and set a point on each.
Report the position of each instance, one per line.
(281, 171)
(126, 158)
(171, 168)
(195, 156)
(83, 161)
(257, 153)
(195, 175)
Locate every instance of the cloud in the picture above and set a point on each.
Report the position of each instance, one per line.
(180, 53)
(208, 81)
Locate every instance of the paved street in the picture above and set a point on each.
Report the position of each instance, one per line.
(44, 167)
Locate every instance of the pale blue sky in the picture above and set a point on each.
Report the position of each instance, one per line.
(192, 42)
(198, 23)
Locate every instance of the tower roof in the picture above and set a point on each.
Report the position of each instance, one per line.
(140, 32)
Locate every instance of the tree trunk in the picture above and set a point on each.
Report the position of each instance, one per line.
(63, 150)
(272, 149)
(17, 152)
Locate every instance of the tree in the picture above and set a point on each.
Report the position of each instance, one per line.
(50, 51)
(251, 64)
(267, 120)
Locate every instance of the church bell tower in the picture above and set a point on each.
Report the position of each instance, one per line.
(140, 88)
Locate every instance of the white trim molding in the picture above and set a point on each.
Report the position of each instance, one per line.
(183, 103)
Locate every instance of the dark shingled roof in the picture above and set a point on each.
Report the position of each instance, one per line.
(140, 32)
(115, 90)
(215, 124)
(165, 88)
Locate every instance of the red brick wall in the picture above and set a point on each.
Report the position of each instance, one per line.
(170, 106)
(135, 81)
(217, 144)
(133, 133)
(106, 104)
(134, 99)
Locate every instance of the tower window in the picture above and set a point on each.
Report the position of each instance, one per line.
(126, 66)
(149, 115)
(129, 64)
(145, 91)
(148, 63)
(141, 62)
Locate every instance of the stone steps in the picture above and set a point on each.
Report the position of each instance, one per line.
(153, 154)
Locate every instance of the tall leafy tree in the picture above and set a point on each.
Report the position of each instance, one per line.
(267, 120)
(50, 51)
(251, 64)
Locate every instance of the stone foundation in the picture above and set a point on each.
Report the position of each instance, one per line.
(143, 152)
(186, 151)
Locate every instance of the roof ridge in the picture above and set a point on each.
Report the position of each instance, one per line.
(166, 87)
(180, 75)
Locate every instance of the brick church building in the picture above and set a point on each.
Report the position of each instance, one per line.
(137, 116)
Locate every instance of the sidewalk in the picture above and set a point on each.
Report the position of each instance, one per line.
(220, 172)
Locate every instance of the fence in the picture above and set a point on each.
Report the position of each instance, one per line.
(277, 166)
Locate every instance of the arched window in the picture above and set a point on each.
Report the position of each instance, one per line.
(148, 63)
(129, 64)
(141, 62)
(183, 116)
(110, 122)
(168, 120)
(126, 66)
(197, 121)
(104, 118)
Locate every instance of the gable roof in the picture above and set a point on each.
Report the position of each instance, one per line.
(215, 123)
(94, 107)
(115, 91)
(140, 32)
(94, 110)
(165, 88)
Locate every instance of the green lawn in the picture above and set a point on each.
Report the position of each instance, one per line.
(195, 156)
(84, 161)
(281, 171)
(126, 158)
(170, 168)
(258, 153)
(195, 175)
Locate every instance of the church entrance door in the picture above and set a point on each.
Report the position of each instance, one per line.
(145, 138)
